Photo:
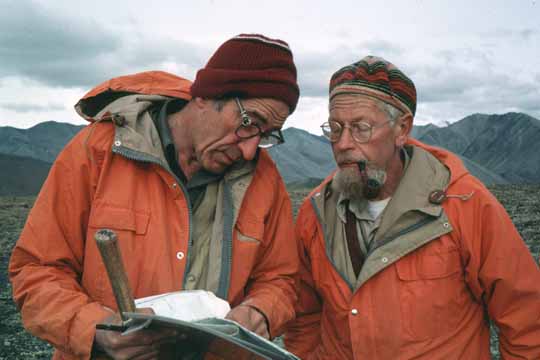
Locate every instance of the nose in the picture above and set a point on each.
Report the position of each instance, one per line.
(248, 147)
(345, 141)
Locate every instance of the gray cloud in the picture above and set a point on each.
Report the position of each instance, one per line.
(31, 107)
(461, 81)
(467, 76)
(457, 91)
(316, 68)
(517, 34)
(527, 34)
(63, 51)
(449, 74)
(48, 48)
(60, 51)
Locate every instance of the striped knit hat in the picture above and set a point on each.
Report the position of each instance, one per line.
(373, 76)
(249, 65)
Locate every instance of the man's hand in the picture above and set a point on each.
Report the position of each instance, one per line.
(141, 345)
(250, 318)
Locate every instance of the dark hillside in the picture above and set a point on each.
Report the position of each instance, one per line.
(43, 141)
(21, 176)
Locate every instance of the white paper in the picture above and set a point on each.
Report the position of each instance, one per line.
(186, 305)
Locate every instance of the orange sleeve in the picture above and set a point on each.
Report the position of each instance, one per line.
(46, 264)
(303, 335)
(501, 273)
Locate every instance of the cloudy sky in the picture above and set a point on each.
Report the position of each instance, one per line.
(464, 56)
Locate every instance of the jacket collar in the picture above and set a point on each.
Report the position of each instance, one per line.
(424, 175)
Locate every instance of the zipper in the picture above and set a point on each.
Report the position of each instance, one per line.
(226, 246)
(405, 231)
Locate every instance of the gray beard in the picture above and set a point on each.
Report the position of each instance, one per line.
(349, 182)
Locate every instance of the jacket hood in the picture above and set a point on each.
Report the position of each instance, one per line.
(147, 83)
(449, 159)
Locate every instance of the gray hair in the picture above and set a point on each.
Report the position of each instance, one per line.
(392, 112)
(220, 103)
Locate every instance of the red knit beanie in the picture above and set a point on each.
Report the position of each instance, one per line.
(249, 66)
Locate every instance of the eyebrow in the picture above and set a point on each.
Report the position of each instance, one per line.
(259, 117)
(356, 119)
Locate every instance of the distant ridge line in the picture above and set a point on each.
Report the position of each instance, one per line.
(497, 149)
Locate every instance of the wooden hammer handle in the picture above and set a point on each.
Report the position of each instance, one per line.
(107, 243)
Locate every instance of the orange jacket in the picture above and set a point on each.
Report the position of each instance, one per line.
(59, 281)
(427, 300)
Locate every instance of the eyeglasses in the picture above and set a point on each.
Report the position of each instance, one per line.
(249, 129)
(360, 131)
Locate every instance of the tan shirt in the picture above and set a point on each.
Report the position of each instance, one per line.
(207, 231)
(366, 224)
(208, 224)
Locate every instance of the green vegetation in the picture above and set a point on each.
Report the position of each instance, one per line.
(15, 342)
(521, 202)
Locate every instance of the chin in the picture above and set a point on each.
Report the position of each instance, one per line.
(348, 181)
(215, 168)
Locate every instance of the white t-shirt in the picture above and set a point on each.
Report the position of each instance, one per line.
(375, 208)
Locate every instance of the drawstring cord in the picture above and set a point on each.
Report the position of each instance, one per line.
(438, 196)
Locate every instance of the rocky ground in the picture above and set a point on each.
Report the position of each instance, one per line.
(521, 202)
(15, 342)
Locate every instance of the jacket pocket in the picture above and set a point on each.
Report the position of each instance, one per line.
(432, 292)
(250, 230)
(248, 239)
(130, 227)
(115, 218)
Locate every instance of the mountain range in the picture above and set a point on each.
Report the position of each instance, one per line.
(42, 141)
(498, 149)
(504, 144)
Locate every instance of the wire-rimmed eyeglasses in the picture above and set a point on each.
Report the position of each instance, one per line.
(360, 131)
(249, 129)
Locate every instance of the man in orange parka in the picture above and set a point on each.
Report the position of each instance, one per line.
(177, 171)
(405, 254)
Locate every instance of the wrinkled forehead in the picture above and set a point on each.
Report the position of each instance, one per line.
(352, 100)
(271, 112)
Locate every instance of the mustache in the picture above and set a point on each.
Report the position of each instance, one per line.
(346, 158)
(364, 180)
(349, 159)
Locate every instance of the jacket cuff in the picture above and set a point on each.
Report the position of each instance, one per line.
(83, 329)
(263, 315)
(275, 314)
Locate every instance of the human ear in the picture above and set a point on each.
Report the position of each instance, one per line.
(200, 103)
(403, 128)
